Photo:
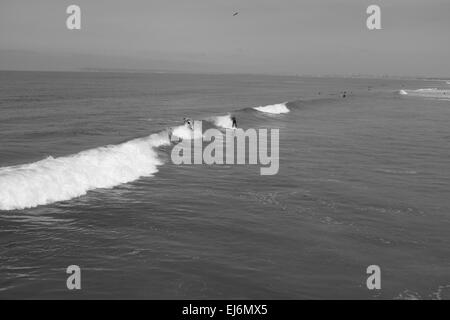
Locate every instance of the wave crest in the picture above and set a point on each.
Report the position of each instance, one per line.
(428, 93)
(273, 109)
(58, 179)
(223, 121)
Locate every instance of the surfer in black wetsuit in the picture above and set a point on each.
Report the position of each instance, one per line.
(188, 123)
(234, 125)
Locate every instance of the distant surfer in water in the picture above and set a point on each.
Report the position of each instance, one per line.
(234, 125)
(189, 123)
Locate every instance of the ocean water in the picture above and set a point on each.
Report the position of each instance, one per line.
(86, 179)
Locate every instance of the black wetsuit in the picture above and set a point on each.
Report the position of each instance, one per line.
(234, 125)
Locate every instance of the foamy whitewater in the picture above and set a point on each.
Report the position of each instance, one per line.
(57, 179)
(185, 133)
(427, 93)
(223, 121)
(274, 109)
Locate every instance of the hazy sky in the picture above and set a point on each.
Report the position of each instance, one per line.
(267, 36)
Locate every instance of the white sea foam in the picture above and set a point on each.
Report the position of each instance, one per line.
(274, 108)
(57, 179)
(426, 90)
(223, 121)
(427, 93)
(185, 133)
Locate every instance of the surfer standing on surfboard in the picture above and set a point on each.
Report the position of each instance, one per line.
(188, 123)
(234, 125)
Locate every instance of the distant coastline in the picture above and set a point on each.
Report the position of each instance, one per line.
(169, 71)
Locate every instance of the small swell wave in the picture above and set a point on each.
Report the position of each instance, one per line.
(273, 109)
(393, 171)
(426, 90)
(58, 179)
(427, 93)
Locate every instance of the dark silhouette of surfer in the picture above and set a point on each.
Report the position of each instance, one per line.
(189, 123)
(234, 125)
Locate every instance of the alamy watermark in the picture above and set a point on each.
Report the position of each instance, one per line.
(236, 146)
(374, 279)
(373, 22)
(74, 280)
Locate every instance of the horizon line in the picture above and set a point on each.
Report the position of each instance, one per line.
(163, 71)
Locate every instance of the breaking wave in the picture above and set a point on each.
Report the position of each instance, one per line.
(64, 178)
(185, 133)
(427, 93)
(223, 121)
(273, 109)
